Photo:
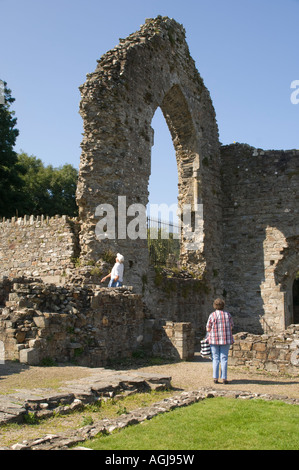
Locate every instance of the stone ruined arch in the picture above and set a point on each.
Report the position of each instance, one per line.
(149, 69)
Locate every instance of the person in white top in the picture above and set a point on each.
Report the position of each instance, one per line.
(117, 274)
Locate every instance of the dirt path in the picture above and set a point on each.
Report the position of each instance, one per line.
(198, 373)
(185, 375)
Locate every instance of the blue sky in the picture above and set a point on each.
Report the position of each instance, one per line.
(245, 50)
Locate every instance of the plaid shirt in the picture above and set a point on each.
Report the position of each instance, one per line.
(220, 326)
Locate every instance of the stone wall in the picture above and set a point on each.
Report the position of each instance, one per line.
(43, 322)
(261, 235)
(149, 69)
(38, 247)
(178, 341)
(247, 245)
(89, 326)
(172, 296)
(267, 352)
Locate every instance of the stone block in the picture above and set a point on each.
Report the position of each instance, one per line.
(259, 346)
(41, 321)
(20, 336)
(246, 346)
(271, 366)
(29, 356)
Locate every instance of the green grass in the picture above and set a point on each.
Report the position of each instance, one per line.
(212, 424)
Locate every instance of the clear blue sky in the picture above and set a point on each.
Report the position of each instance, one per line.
(245, 50)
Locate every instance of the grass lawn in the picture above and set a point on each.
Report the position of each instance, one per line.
(212, 424)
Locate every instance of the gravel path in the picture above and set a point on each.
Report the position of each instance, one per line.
(185, 376)
(198, 373)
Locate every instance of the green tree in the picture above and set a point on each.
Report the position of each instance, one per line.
(10, 179)
(47, 190)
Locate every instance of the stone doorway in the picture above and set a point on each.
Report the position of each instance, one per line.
(296, 300)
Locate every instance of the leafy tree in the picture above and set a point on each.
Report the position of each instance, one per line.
(26, 185)
(161, 245)
(47, 190)
(10, 180)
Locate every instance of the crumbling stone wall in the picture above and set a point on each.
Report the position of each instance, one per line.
(249, 237)
(149, 69)
(43, 322)
(260, 235)
(169, 296)
(176, 341)
(278, 353)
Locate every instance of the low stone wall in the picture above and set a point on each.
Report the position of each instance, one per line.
(42, 322)
(269, 352)
(180, 297)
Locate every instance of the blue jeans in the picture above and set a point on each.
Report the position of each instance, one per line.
(220, 356)
(114, 283)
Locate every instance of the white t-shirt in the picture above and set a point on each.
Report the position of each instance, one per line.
(118, 270)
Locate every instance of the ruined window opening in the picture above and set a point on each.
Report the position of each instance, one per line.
(162, 229)
(296, 299)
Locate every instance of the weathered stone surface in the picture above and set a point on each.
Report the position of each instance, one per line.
(38, 247)
(29, 356)
(65, 323)
(102, 384)
(149, 69)
(261, 235)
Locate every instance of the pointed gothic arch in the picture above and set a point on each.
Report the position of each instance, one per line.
(150, 68)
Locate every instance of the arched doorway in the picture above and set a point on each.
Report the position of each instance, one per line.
(296, 299)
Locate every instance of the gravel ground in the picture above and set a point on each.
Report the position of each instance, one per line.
(198, 373)
(185, 376)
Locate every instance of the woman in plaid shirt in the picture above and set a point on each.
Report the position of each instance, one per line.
(219, 327)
